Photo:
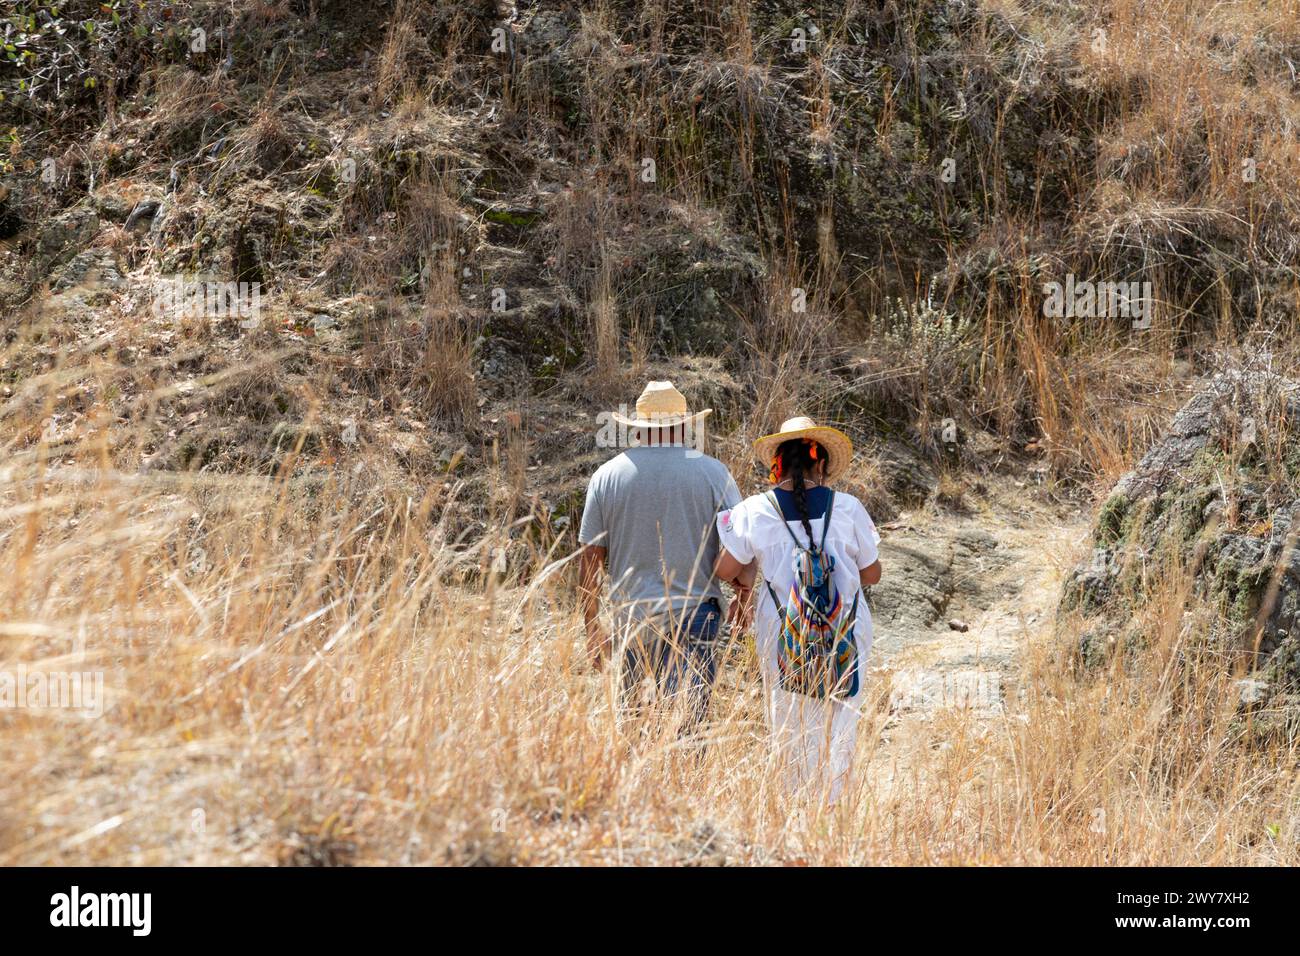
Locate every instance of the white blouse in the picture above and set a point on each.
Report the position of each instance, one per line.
(753, 529)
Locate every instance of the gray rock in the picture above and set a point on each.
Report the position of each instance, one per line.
(1251, 691)
(66, 234)
(97, 265)
(111, 205)
(1218, 493)
(1209, 415)
(546, 31)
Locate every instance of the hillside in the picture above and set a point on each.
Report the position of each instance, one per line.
(317, 548)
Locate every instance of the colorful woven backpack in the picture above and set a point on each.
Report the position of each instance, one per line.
(816, 655)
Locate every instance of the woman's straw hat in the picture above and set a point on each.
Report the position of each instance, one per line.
(660, 406)
(839, 448)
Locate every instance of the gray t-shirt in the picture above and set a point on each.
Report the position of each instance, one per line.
(654, 507)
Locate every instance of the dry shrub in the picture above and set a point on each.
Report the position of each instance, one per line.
(605, 336)
(401, 43)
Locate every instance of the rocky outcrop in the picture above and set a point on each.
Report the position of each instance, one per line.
(1217, 497)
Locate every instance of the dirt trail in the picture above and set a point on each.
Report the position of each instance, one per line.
(995, 570)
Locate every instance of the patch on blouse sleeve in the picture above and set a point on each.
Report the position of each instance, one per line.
(725, 520)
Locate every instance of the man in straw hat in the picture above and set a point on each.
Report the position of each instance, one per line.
(650, 516)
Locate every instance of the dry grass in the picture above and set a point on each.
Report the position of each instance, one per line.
(605, 334)
(303, 670)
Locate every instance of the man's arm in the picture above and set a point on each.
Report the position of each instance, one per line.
(592, 563)
(592, 566)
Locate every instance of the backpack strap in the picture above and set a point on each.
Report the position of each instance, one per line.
(826, 519)
(771, 496)
(779, 609)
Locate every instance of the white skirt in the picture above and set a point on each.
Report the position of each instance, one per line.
(814, 738)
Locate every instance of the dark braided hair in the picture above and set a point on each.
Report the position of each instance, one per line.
(797, 459)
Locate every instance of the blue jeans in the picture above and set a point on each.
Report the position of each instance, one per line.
(680, 650)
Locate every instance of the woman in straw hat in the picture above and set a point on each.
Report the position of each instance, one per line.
(768, 533)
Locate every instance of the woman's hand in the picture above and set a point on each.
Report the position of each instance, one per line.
(740, 615)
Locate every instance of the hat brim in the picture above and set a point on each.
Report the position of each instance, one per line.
(666, 421)
(839, 447)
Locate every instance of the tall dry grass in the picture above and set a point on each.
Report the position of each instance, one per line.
(303, 670)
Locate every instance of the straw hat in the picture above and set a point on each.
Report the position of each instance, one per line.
(660, 406)
(839, 449)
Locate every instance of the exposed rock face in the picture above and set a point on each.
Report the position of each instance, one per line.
(62, 237)
(932, 573)
(1217, 495)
